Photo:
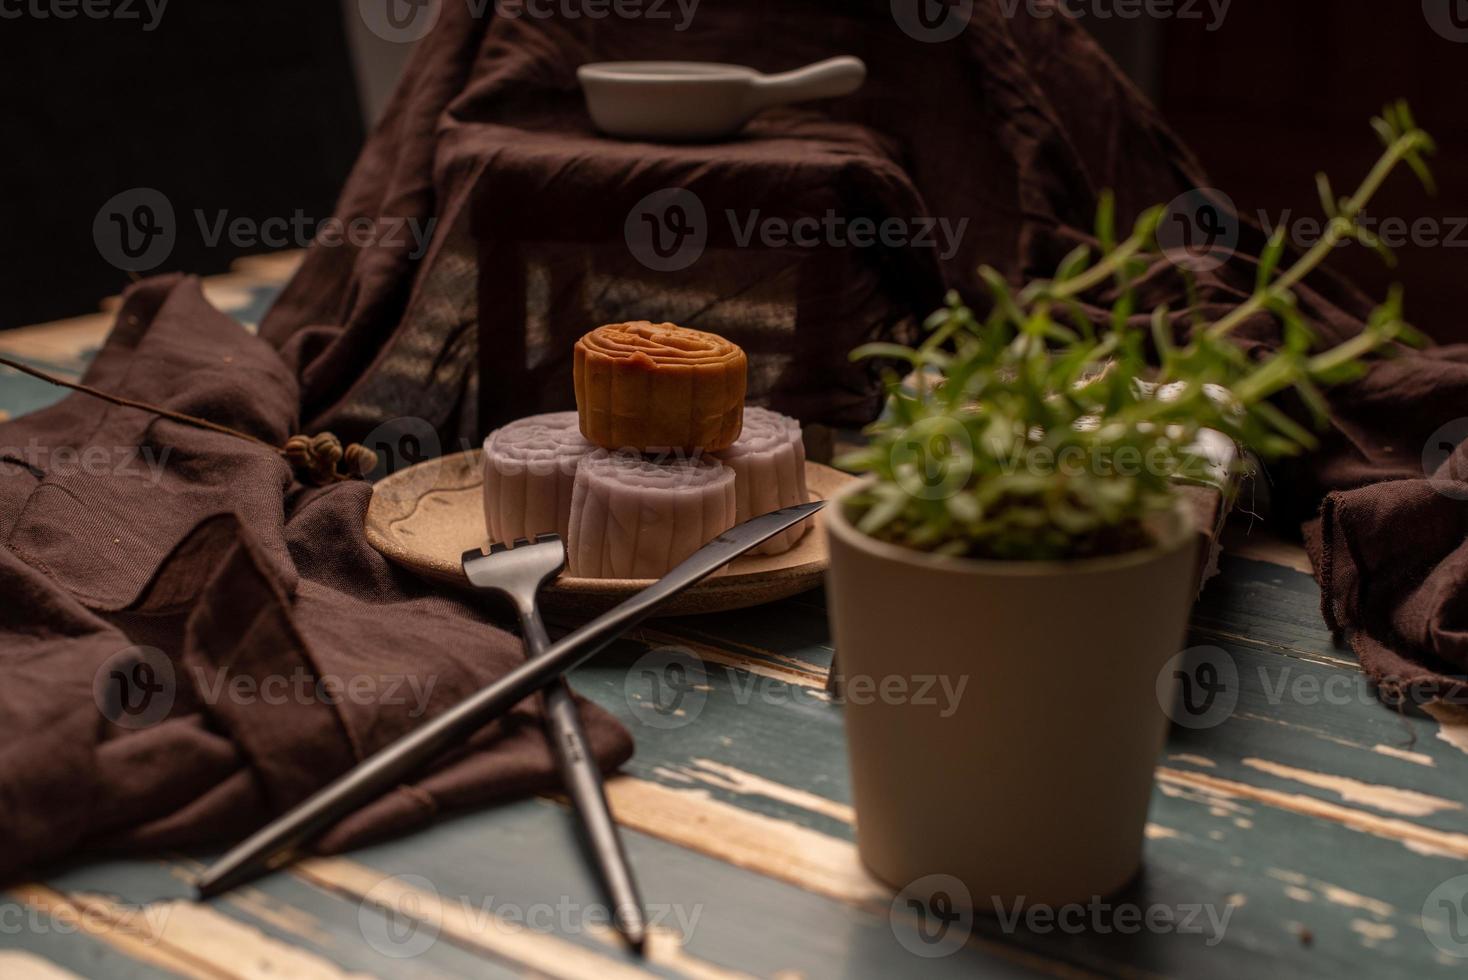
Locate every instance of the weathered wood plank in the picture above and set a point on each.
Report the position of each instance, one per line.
(60, 938)
(714, 919)
(344, 936)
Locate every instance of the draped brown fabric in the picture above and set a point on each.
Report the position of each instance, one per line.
(192, 642)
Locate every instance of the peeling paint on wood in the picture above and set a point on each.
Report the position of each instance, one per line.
(739, 781)
(1404, 802)
(1401, 831)
(1453, 724)
(1418, 758)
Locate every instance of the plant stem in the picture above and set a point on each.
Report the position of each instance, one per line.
(1336, 231)
(1099, 272)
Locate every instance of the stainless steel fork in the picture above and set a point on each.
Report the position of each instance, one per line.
(519, 571)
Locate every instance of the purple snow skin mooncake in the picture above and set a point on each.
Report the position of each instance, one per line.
(633, 517)
(529, 473)
(768, 460)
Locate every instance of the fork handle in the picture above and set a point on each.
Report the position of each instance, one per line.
(584, 786)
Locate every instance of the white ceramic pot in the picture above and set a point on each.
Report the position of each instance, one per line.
(1026, 770)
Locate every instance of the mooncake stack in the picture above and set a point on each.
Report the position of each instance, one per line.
(659, 458)
(634, 517)
(768, 461)
(658, 387)
(529, 476)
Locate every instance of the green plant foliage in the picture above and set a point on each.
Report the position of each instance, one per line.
(1030, 434)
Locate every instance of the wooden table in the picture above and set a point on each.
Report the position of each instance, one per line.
(1329, 829)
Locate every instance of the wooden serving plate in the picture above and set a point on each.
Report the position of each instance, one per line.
(426, 516)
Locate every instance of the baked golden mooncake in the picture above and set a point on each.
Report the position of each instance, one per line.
(654, 387)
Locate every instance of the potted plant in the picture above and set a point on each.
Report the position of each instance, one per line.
(1018, 539)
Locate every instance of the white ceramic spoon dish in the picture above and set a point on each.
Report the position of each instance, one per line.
(685, 101)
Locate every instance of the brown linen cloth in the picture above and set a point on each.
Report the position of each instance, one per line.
(284, 648)
(1015, 124)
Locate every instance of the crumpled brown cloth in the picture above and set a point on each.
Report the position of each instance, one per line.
(284, 648)
(1016, 124)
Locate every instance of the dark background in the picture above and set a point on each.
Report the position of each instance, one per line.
(258, 108)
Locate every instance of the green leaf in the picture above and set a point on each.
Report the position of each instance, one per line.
(896, 352)
(1106, 222)
(1269, 261)
(1328, 201)
(1074, 263)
